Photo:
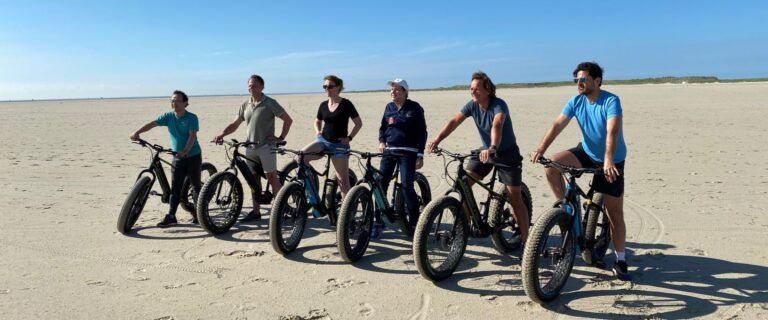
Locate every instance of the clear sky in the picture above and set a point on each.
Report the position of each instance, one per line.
(80, 49)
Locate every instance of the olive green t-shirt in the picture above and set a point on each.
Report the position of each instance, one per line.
(260, 118)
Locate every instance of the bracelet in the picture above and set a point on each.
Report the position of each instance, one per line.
(349, 137)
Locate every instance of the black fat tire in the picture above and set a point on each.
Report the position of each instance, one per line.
(508, 239)
(424, 238)
(134, 204)
(424, 196)
(355, 223)
(332, 197)
(188, 197)
(556, 219)
(289, 206)
(597, 233)
(215, 213)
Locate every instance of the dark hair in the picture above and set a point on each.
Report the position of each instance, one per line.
(182, 94)
(257, 78)
(336, 80)
(486, 82)
(592, 68)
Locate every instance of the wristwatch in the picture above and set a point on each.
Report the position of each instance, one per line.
(349, 137)
(493, 146)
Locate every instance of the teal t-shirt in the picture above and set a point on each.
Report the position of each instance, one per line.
(593, 121)
(179, 128)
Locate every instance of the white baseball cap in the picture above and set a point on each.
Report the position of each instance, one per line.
(399, 82)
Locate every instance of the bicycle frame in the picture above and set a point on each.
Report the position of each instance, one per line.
(155, 169)
(305, 176)
(378, 192)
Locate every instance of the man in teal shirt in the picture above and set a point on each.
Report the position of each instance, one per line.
(182, 127)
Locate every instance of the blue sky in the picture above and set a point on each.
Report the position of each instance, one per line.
(74, 49)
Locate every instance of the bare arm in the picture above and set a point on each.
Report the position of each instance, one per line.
(190, 142)
(609, 168)
(232, 127)
(498, 124)
(318, 127)
(287, 122)
(446, 130)
(560, 123)
(145, 128)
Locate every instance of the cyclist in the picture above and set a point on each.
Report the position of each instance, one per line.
(331, 128)
(600, 117)
(491, 116)
(259, 113)
(403, 131)
(182, 127)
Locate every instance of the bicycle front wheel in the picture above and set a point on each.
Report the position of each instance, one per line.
(220, 202)
(188, 199)
(440, 239)
(353, 232)
(597, 233)
(548, 256)
(423, 195)
(134, 204)
(288, 218)
(508, 238)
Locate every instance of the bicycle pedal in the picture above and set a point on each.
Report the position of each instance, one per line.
(155, 193)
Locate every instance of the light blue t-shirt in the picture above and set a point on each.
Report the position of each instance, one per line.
(179, 128)
(484, 122)
(593, 120)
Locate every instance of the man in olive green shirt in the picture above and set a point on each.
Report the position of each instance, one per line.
(259, 113)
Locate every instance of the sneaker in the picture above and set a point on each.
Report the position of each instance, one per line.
(252, 216)
(620, 271)
(376, 231)
(167, 221)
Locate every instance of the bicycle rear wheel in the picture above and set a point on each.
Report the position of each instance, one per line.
(353, 232)
(288, 218)
(423, 195)
(188, 199)
(508, 239)
(548, 256)
(597, 234)
(440, 239)
(133, 205)
(220, 202)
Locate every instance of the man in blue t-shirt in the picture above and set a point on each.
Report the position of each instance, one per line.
(182, 127)
(602, 146)
(494, 124)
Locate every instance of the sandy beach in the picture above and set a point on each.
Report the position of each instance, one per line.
(696, 233)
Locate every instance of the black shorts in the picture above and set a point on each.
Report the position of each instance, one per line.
(508, 163)
(601, 185)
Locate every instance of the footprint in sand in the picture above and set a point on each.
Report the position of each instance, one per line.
(366, 309)
(492, 299)
(334, 285)
(97, 283)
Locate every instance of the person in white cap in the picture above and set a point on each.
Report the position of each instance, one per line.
(494, 124)
(402, 138)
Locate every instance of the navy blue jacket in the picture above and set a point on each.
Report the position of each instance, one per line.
(404, 129)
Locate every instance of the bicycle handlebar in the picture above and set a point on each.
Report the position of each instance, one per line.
(156, 147)
(458, 156)
(569, 169)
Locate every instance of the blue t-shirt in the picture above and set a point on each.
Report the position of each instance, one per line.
(484, 123)
(179, 128)
(593, 120)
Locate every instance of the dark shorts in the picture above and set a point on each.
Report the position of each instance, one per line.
(601, 185)
(508, 163)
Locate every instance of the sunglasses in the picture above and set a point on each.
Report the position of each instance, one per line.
(328, 86)
(580, 80)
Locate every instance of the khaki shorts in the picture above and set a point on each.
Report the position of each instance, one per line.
(264, 156)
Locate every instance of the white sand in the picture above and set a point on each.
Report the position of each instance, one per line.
(697, 185)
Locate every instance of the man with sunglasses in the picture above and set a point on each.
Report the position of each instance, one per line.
(259, 113)
(600, 116)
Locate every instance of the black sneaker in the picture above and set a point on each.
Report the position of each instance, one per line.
(252, 216)
(167, 221)
(621, 272)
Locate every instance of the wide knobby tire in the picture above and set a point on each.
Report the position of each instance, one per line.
(353, 231)
(332, 197)
(441, 227)
(508, 239)
(597, 233)
(188, 199)
(423, 195)
(220, 202)
(288, 219)
(134, 204)
(548, 256)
